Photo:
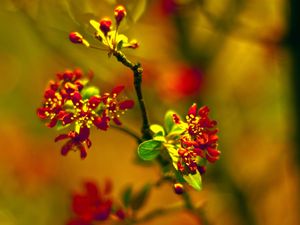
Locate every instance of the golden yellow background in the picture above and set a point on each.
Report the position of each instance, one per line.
(247, 84)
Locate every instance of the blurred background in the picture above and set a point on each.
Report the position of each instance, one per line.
(239, 57)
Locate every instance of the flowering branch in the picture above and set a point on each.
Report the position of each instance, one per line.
(182, 147)
(137, 74)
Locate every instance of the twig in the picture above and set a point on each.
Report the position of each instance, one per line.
(137, 72)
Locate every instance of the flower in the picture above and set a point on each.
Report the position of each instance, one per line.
(94, 205)
(69, 101)
(91, 205)
(114, 107)
(199, 141)
(77, 141)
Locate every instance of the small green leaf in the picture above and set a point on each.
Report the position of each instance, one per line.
(159, 138)
(119, 45)
(158, 130)
(173, 152)
(149, 150)
(169, 122)
(126, 196)
(87, 92)
(178, 129)
(194, 180)
(140, 197)
(122, 38)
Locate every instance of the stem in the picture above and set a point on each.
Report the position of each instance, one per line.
(137, 72)
(187, 200)
(127, 131)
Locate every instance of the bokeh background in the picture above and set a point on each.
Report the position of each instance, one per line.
(239, 57)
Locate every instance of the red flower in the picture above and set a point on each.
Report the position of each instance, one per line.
(199, 140)
(93, 205)
(52, 108)
(114, 107)
(67, 100)
(76, 142)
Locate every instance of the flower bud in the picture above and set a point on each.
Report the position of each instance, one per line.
(178, 188)
(120, 13)
(76, 38)
(105, 25)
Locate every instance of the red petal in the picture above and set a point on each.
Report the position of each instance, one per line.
(88, 143)
(91, 188)
(41, 112)
(117, 89)
(213, 152)
(49, 94)
(67, 147)
(211, 159)
(76, 97)
(117, 121)
(82, 149)
(101, 123)
(127, 104)
(83, 135)
(94, 101)
(203, 111)
(61, 137)
(52, 123)
(193, 110)
(68, 118)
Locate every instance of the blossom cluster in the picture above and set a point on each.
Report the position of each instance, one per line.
(199, 141)
(94, 205)
(68, 100)
(105, 33)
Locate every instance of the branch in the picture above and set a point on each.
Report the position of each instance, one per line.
(137, 72)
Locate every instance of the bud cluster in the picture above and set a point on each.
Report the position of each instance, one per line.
(106, 34)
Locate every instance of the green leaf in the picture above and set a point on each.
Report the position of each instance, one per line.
(158, 130)
(178, 129)
(160, 138)
(149, 150)
(119, 45)
(139, 199)
(127, 196)
(169, 122)
(173, 152)
(194, 180)
(87, 92)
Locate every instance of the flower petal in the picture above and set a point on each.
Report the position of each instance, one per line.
(127, 104)
(61, 137)
(67, 147)
(193, 110)
(117, 90)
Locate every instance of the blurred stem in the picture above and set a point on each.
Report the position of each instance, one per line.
(137, 74)
(127, 131)
(293, 43)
